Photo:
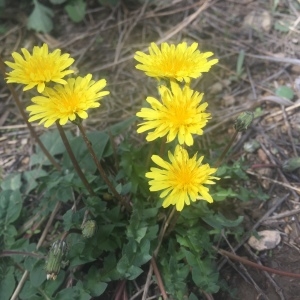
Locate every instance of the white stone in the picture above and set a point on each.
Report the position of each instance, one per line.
(269, 239)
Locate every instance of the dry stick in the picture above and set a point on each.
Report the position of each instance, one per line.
(274, 181)
(246, 276)
(73, 159)
(41, 240)
(277, 288)
(24, 116)
(99, 166)
(256, 225)
(255, 265)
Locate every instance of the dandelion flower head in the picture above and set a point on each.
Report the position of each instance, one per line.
(178, 62)
(39, 68)
(182, 180)
(66, 102)
(180, 114)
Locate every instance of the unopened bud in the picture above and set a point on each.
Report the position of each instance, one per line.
(55, 259)
(88, 228)
(291, 164)
(243, 121)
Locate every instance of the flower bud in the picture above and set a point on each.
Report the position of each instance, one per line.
(243, 121)
(88, 228)
(291, 164)
(55, 259)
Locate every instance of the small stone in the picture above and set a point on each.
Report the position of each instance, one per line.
(269, 239)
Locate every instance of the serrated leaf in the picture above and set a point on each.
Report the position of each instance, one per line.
(76, 10)
(41, 18)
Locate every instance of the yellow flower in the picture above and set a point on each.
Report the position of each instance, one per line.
(174, 62)
(65, 102)
(180, 114)
(182, 180)
(39, 68)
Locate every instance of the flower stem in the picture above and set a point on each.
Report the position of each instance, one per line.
(73, 159)
(99, 166)
(163, 230)
(221, 158)
(24, 116)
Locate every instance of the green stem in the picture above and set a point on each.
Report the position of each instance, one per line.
(220, 160)
(23, 253)
(163, 230)
(99, 166)
(73, 159)
(24, 116)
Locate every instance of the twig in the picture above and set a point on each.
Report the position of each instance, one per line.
(256, 225)
(274, 181)
(255, 265)
(276, 287)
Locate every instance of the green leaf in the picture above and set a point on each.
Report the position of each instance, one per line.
(122, 126)
(57, 1)
(223, 194)
(30, 177)
(285, 92)
(219, 221)
(75, 293)
(98, 139)
(12, 182)
(10, 206)
(76, 10)
(7, 284)
(192, 296)
(53, 143)
(41, 18)
(291, 164)
(93, 282)
(282, 26)
(37, 274)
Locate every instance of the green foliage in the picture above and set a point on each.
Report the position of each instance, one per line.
(76, 10)
(129, 221)
(285, 92)
(41, 18)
